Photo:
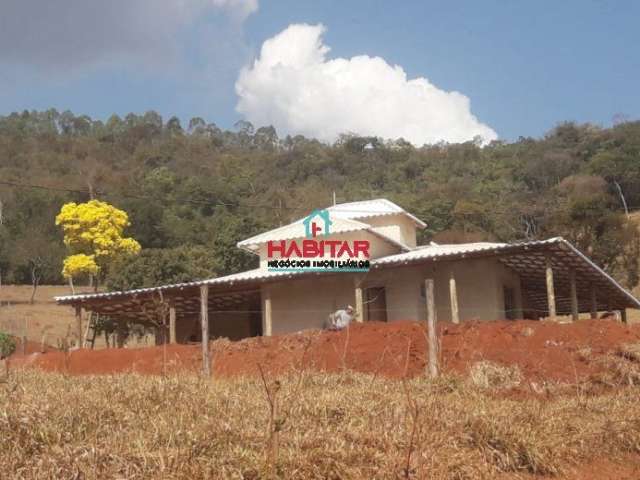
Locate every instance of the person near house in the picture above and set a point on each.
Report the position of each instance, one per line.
(340, 319)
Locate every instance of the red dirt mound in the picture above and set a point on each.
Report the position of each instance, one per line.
(542, 350)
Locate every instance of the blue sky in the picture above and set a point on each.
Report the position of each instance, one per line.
(524, 66)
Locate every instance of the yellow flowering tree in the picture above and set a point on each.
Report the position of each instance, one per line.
(93, 233)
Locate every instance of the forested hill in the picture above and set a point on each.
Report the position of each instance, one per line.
(193, 191)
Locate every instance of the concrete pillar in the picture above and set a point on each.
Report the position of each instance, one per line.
(267, 313)
(359, 302)
(551, 294)
(453, 294)
(574, 295)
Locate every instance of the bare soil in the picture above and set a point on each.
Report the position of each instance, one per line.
(544, 351)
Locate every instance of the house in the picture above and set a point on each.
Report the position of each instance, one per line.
(366, 254)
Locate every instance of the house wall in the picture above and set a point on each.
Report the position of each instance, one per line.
(398, 227)
(234, 325)
(479, 287)
(302, 304)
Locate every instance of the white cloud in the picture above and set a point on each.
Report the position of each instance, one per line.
(293, 86)
(240, 8)
(59, 35)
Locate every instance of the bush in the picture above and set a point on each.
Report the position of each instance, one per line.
(7, 345)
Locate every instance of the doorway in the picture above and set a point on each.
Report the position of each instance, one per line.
(375, 304)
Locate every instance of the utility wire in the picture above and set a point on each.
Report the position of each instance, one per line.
(213, 203)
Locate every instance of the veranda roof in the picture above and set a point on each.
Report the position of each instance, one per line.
(528, 259)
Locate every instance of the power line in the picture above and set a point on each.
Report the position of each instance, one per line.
(218, 203)
(184, 200)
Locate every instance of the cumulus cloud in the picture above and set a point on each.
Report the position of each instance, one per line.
(293, 86)
(58, 35)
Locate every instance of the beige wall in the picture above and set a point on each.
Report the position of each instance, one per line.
(232, 325)
(302, 304)
(398, 227)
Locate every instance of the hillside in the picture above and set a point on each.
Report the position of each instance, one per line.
(192, 193)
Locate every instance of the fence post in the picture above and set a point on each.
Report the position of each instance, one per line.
(204, 319)
(431, 328)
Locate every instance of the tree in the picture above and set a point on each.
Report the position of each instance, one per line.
(93, 232)
(163, 266)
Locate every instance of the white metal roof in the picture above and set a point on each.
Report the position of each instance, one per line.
(527, 258)
(371, 208)
(296, 230)
(344, 218)
(249, 275)
(435, 251)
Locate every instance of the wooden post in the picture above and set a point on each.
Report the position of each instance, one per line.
(623, 315)
(24, 337)
(453, 294)
(204, 320)
(594, 302)
(172, 323)
(551, 294)
(431, 328)
(267, 329)
(79, 325)
(574, 295)
(359, 303)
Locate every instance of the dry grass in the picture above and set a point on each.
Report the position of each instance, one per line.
(631, 351)
(346, 426)
(621, 368)
(43, 315)
(485, 374)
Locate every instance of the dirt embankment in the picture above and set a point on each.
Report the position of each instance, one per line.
(542, 350)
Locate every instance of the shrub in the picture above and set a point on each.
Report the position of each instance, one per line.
(7, 345)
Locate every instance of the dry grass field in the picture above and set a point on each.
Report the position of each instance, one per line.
(323, 426)
(43, 317)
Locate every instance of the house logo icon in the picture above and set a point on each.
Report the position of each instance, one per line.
(312, 223)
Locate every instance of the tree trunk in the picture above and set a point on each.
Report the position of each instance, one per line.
(624, 201)
(73, 290)
(35, 279)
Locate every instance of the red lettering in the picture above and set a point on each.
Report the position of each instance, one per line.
(293, 248)
(361, 247)
(344, 248)
(332, 246)
(315, 229)
(310, 248)
(272, 248)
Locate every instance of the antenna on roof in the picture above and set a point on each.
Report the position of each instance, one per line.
(334, 197)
